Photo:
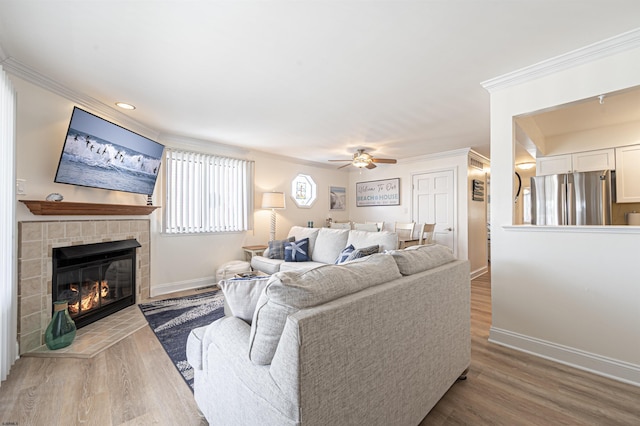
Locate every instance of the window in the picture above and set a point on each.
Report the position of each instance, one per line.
(303, 190)
(207, 193)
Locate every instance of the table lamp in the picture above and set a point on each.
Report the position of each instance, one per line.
(273, 201)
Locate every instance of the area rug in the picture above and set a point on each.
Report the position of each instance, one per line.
(172, 320)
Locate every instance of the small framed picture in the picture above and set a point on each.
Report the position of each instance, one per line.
(337, 198)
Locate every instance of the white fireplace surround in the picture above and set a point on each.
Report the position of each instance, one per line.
(36, 241)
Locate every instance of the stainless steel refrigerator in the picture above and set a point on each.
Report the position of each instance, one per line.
(581, 198)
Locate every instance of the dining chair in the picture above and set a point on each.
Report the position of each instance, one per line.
(380, 225)
(371, 227)
(341, 225)
(405, 230)
(426, 233)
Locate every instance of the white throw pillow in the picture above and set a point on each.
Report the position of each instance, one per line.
(242, 294)
(329, 244)
(386, 240)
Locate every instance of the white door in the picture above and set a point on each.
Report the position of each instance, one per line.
(433, 202)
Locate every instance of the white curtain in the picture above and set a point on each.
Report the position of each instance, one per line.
(8, 248)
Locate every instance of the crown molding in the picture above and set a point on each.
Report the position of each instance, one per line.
(18, 69)
(437, 155)
(592, 52)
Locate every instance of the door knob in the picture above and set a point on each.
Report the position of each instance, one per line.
(448, 229)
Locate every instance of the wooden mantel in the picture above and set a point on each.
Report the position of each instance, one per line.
(65, 208)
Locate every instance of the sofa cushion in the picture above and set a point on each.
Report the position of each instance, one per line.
(276, 248)
(344, 254)
(297, 251)
(363, 252)
(288, 292)
(386, 240)
(417, 259)
(329, 243)
(299, 266)
(242, 294)
(299, 232)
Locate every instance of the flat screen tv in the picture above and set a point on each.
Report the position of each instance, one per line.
(101, 154)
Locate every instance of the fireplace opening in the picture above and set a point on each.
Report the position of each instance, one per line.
(95, 279)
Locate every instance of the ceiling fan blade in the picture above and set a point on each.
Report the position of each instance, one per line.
(340, 160)
(384, 160)
(342, 167)
(371, 166)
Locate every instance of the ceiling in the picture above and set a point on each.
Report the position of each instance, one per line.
(308, 79)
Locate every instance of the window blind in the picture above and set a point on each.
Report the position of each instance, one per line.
(207, 193)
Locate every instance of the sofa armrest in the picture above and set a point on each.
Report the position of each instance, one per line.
(227, 355)
(266, 265)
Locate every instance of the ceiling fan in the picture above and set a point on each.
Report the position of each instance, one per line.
(361, 159)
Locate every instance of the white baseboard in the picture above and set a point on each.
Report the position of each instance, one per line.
(479, 271)
(593, 363)
(160, 289)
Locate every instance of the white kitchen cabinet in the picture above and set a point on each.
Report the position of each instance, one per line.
(553, 165)
(602, 159)
(628, 174)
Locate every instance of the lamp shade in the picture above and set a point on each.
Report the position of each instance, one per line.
(273, 200)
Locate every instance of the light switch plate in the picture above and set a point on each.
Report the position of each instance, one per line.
(21, 187)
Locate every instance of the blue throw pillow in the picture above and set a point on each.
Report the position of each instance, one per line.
(297, 251)
(344, 254)
(276, 248)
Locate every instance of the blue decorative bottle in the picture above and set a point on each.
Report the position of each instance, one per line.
(61, 330)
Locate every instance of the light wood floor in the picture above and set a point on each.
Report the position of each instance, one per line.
(135, 383)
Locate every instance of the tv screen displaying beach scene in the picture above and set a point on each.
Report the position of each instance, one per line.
(101, 154)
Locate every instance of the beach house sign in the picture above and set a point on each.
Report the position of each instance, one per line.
(378, 193)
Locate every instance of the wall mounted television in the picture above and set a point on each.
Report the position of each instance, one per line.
(101, 154)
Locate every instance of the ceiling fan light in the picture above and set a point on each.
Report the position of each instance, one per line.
(526, 166)
(360, 162)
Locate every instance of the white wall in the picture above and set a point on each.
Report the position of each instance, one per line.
(177, 262)
(569, 294)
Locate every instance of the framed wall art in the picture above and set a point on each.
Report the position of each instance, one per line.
(337, 198)
(384, 192)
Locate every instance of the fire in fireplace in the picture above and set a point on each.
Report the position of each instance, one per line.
(95, 279)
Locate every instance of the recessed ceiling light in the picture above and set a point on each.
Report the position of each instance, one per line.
(125, 105)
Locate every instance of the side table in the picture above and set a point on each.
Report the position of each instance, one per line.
(250, 251)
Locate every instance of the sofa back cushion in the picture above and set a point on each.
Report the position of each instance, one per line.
(329, 244)
(417, 259)
(386, 240)
(288, 292)
(300, 232)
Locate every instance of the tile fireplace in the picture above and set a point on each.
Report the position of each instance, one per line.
(37, 241)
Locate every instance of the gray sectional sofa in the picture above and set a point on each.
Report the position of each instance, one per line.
(325, 245)
(376, 341)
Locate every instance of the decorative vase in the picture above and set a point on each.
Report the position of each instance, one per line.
(61, 330)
